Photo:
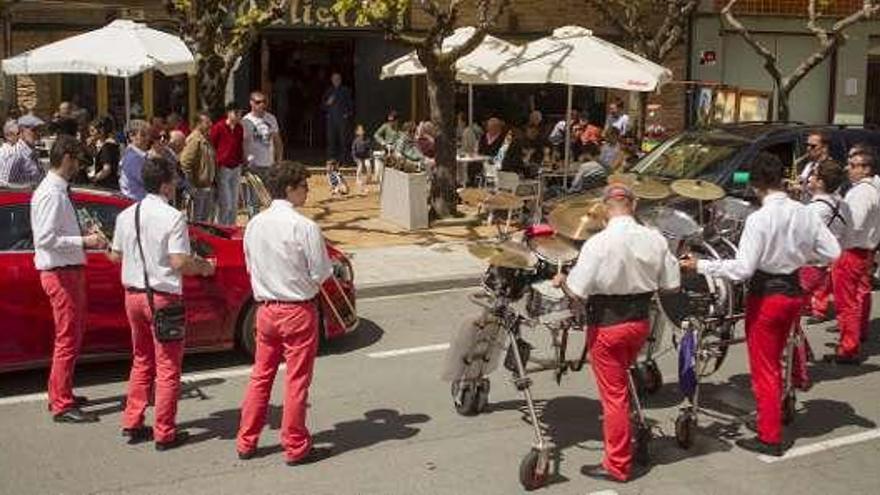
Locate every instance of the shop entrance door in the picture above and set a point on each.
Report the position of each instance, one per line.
(872, 92)
(299, 71)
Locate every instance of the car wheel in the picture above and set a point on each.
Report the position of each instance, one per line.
(247, 330)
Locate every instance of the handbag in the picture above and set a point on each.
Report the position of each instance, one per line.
(169, 322)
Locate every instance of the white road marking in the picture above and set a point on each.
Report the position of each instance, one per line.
(21, 399)
(603, 492)
(411, 350)
(822, 446)
(418, 294)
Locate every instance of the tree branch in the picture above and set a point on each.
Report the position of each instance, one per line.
(487, 17)
(770, 61)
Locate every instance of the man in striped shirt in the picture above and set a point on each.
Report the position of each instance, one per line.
(19, 163)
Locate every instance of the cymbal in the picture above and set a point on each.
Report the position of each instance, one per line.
(650, 189)
(503, 201)
(697, 189)
(554, 248)
(504, 254)
(578, 222)
(472, 196)
(626, 179)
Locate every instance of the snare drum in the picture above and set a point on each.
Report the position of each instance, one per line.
(545, 299)
(679, 228)
(700, 295)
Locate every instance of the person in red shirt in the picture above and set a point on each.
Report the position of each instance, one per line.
(227, 136)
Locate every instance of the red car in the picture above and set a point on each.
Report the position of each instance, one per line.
(220, 309)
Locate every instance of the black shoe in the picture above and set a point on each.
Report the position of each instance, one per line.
(245, 456)
(598, 472)
(138, 435)
(179, 439)
(75, 415)
(78, 401)
(755, 445)
(314, 455)
(835, 359)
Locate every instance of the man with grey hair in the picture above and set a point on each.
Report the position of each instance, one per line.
(19, 163)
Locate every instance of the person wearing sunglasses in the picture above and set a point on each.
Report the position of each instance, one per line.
(817, 152)
(262, 140)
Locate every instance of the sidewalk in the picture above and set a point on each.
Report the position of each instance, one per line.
(389, 260)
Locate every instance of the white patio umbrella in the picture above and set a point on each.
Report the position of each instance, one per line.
(574, 57)
(478, 67)
(121, 49)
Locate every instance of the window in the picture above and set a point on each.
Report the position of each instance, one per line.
(691, 156)
(15, 228)
(99, 215)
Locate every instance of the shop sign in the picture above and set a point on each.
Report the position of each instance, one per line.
(319, 14)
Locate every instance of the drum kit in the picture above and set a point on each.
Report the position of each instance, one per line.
(698, 219)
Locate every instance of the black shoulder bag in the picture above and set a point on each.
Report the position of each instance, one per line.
(169, 323)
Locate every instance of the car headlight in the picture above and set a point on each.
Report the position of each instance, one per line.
(342, 270)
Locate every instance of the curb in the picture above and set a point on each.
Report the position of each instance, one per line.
(375, 290)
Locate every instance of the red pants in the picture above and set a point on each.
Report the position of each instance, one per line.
(286, 332)
(67, 295)
(153, 361)
(851, 281)
(613, 349)
(816, 282)
(769, 321)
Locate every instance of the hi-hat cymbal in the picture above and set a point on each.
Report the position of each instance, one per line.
(650, 189)
(504, 254)
(626, 179)
(472, 196)
(578, 222)
(697, 189)
(503, 201)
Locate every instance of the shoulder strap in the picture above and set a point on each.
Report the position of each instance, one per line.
(137, 231)
(835, 211)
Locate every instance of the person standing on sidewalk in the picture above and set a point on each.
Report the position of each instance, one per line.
(60, 259)
(131, 183)
(618, 272)
(152, 242)
(339, 108)
(262, 140)
(851, 275)
(777, 240)
(199, 165)
(287, 261)
(227, 136)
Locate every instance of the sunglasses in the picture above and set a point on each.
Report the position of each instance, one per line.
(258, 102)
(812, 146)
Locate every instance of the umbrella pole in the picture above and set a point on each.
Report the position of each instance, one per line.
(470, 105)
(127, 102)
(567, 140)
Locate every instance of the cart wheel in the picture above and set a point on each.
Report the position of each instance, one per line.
(467, 406)
(482, 395)
(652, 378)
(684, 425)
(788, 407)
(532, 475)
(643, 446)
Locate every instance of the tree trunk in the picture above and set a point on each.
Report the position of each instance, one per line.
(212, 80)
(441, 96)
(642, 119)
(783, 112)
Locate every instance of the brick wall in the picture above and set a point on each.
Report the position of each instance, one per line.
(835, 8)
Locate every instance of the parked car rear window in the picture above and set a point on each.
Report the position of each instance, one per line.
(691, 155)
(15, 228)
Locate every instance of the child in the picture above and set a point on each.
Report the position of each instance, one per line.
(361, 151)
(335, 178)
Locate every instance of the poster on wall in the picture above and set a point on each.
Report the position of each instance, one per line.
(705, 100)
(726, 105)
(754, 106)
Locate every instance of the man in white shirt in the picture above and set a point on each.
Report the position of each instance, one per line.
(851, 275)
(165, 242)
(777, 240)
(817, 152)
(287, 261)
(617, 272)
(262, 141)
(60, 259)
(617, 118)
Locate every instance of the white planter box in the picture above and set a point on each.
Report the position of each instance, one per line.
(404, 199)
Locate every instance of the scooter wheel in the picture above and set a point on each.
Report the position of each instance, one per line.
(482, 395)
(643, 446)
(788, 409)
(652, 379)
(532, 472)
(684, 425)
(466, 405)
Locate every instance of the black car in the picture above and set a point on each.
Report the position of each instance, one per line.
(716, 153)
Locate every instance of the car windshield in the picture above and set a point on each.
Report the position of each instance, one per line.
(692, 155)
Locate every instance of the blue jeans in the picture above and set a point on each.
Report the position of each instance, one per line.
(228, 185)
(203, 204)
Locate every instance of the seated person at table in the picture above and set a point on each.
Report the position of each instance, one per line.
(611, 154)
(491, 142)
(590, 172)
(510, 156)
(406, 144)
(425, 134)
(467, 136)
(533, 146)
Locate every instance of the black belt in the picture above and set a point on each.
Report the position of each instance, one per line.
(138, 290)
(767, 284)
(286, 303)
(606, 310)
(64, 268)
